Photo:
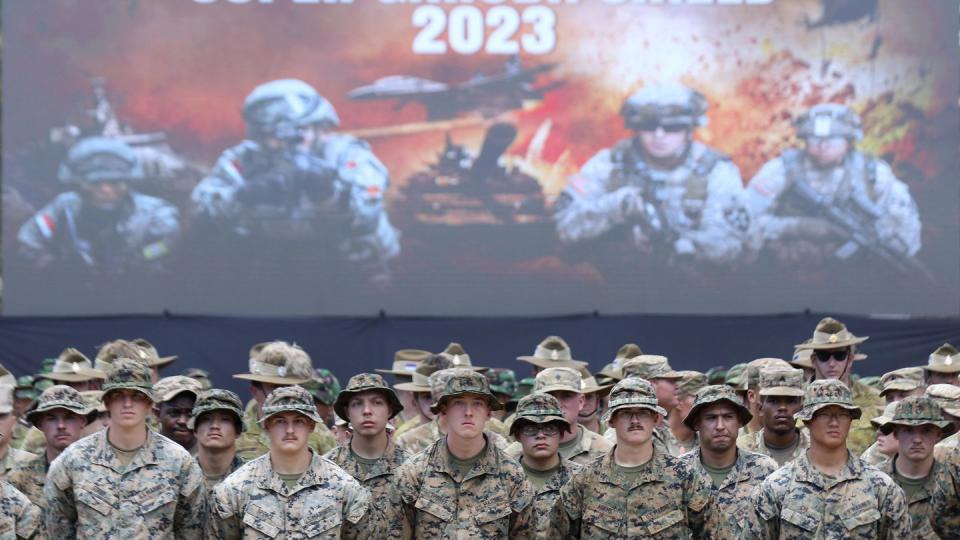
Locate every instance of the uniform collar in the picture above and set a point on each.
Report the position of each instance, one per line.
(741, 471)
(487, 464)
(270, 480)
(149, 453)
(806, 472)
(609, 473)
(890, 467)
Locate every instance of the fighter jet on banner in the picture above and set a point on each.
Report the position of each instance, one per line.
(490, 95)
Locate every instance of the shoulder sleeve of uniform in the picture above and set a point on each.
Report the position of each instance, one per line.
(766, 498)
(769, 181)
(522, 493)
(358, 164)
(571, 494)
(592, 178)
(407, 479)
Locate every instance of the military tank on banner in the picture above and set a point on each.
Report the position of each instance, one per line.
(478, 201)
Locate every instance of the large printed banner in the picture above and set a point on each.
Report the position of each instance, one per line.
(288, 157)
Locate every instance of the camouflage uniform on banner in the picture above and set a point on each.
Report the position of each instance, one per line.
(19, 518)
(91, 494)
(695, 208)
(786, 383)
(81, 232)
(934, 506)
(799, 502)
(493, 499)
(650, 367)
(255, 502)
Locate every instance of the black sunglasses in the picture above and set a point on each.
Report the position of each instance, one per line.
(824, 355)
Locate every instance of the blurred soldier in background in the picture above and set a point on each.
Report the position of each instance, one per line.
(217, 420)
(687, 387)
(943, 366)
(176, 397)
(8, 420)
(781, 397)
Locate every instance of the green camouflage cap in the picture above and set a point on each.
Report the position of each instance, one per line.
(524, 388)
(25, 388)
(502, 381)
(558, 379)
(290, 399)
(716, 375)
(129, 374)
(946, 359)
(216, 399)
(94, 400)
(903, 379)
(886, 416)
(630, 393)
(46, 366)
(751, 375)
(59, 396)
(691, 382)
(539, 409)
(614, 370)
(823, 393)
(649, 367)
(278, 362)
(947, 396)
(466, 382)
(735, 375)
(200, 375)
(323, 386)
(168, 388)
(918, 411)
(552, 352)
(709, 395)
(366, 382)
(831, 334)
(777, 381)
(42, 384)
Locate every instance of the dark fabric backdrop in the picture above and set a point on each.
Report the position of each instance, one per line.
(351, 345)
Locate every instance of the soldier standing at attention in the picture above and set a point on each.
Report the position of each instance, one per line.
(125, 481)
(828, 492)
(781, 397)
(176, 396)
(217, 420)
(291, 491)
(463, 485)
(657, 371)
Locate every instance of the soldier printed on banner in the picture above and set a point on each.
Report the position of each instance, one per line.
(672, 195)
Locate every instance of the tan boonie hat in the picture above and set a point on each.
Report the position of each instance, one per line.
(459, 357)
(630, 393)
(691, 382)
(94, 400)
(366, 382)
(946, 359)
(539, 409)
(217, 399)
(776, 381)
(110, 351)
(405, 362)
(466, 382)
(903, 379)
(649, 367)
(709, 395)
(823, 393)
(885, 416)
(831, 334)
(802, 358)
(151, 356)
(947, 395)
(918, 411)
(60, 396)
(129, 374)
(613, 370)
(552, 352)
(421, 375)
(589, 385)
(279, 362)
(558, 379)
(289, 399)
(751, 374)
(73, 366)
(168, 388)
(6, 398)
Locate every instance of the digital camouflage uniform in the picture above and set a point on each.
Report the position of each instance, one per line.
(777, 381)
(19, 518)
(649, 367)
(209, 400)
(799, 502)
(599, 502)
(13, 455)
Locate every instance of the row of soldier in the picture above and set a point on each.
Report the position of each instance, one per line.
(767, 452)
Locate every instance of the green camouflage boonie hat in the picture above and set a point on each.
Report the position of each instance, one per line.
(168, 388)
(524, 388)
(466, 382)
(539, 409)
(712, 394)
(946, 359)
(323, 386)
(649, 367)
(553, 352)
(947, 396)
(59, 396)
(903, 379)
(366, 382)
(630, 393)
(716, 375)
(918, 411)
(559, 379)
(129, 374)
(823, 393)
(217, 399)
(735, 375)
(94, 400)
(290, 399)
(438, 382)
(831, 334)
(777, 381)
(502, 381)
(691, 382)
(885, 416)
(25, 388)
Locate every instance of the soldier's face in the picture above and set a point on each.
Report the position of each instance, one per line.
(61, 427)
(289, 432)
(718, 425)
(260, 391)
(684, 404)
(887, 444)
(827, 151)
(128, 408)
(570, 403)
(829, 427)
(424, 400)
(216, 430)
(916, 442)
(832, 363)
(634, 426)
(539, 441)
(778, 413)
(466, 415)
(664, 143)
(935, 377)
(893, 396)
(368, 413)
(325, 411)
(591, 404)
(173, 416)
(666, 392)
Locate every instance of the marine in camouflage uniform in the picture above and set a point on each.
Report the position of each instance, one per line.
(719, 508)
(655, 369)
(294, 179)
(19, 518)
(934, 499)
(10, 455)
(778, 389)
(102, 227)
(325, 501)
(750, 389)
(901, 383)
(851, 181)
(484, 495)
(687, 387)
(405, 363)
(798, 501)
(881, 451)
(209, 458)
(608, 500)
(948, 397)
(173, 392)
(93, 492)
(689, 203)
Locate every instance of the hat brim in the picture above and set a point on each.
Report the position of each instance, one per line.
(269, 379)
(599, 389)
(807, 413)
(340, 405)
(167, 397)
(943, 369)
(835, 345)
(492, 401)
(411, 387)
(144, 391)
(162, 361)
(547, 363)
(878, 421)
(192, 422)
(396, 372)
(900, 386)
(80, 376)
(533, 419)
(608, 414)
(311, 415)
(743, 413)
(33, 415)
(785, 391)
(945, 425)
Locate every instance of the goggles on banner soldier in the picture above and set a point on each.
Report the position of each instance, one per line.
(668, 128)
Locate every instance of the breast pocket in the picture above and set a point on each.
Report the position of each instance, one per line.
(667, 523)
(96, 498)
(261, 522)
(600, 520)
(493, 519)
(863, 524)
(798, 522)
(432, 510)
(323, 524)
(158, 501)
